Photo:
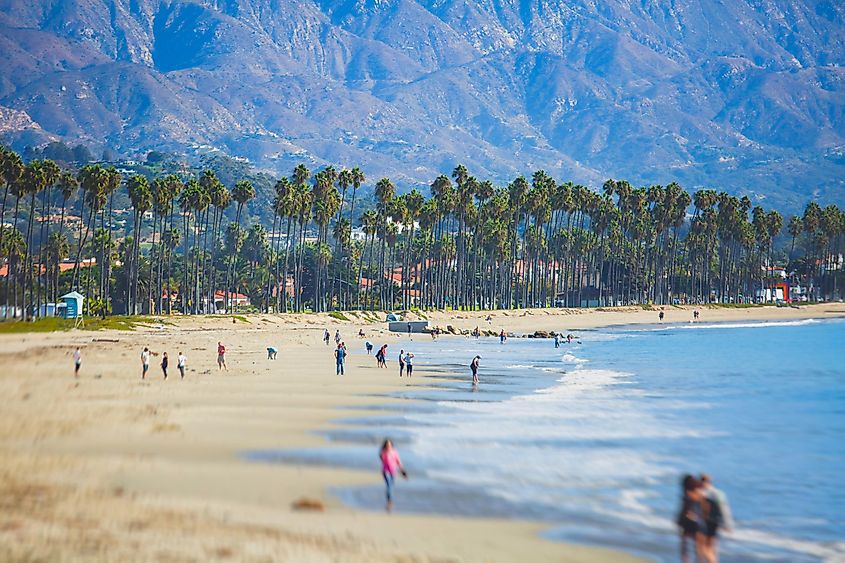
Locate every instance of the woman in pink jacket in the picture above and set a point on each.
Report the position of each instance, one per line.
(390, 462)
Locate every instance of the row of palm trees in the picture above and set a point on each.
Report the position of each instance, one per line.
(470, 245)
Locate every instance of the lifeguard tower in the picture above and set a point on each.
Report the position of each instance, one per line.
(73, 307)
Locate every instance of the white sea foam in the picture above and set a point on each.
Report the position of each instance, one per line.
(572, 359)
(760, 324)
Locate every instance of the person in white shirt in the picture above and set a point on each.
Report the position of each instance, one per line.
(77, 361)
(181, 360)
(717, 518)
(145, 362)
(409, 364)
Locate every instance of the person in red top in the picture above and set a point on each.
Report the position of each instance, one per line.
(221, 356)
(390, 462)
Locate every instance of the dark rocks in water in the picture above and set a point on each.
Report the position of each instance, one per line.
(541, 334)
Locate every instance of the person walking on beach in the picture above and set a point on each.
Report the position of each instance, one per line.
(340, 357)
(473, 366)
(221, 357)
(181, 361)
(381, 356)
(690, 518)
(401, 363)
(77, 361)
(557, 340)
(326, 336)
(271, 352)
(409, 364)
(502, 337)
(145, 362)
(660, 316)
(717, 516)
(390, 462)
(369, 346)
(164, 364)
(409, 328)
(695, 315)
(336, 337)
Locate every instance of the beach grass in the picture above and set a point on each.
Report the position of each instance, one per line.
(240, 318)
(58, 324)
(337, 315)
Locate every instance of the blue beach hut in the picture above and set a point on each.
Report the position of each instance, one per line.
(73, 305)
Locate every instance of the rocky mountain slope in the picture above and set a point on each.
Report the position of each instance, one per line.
(746, 95)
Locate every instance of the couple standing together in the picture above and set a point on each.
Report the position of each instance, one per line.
(704, 512)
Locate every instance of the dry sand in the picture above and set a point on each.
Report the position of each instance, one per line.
(112, 468)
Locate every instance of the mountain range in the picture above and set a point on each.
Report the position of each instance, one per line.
(746, 96)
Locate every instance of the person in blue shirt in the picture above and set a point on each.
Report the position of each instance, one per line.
(340, 356)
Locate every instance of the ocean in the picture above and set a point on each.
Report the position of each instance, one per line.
(593, 437)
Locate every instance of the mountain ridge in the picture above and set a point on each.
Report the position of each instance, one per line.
(746, 97)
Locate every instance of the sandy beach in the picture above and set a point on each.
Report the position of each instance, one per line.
(108, 467)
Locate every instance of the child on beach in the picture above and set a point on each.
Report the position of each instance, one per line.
(77, 362)
(369, 346)
(164, 364)
(221, 357)
(145, 362)
(390, 462)
(401, 362)
(474, 367)
(181, 360)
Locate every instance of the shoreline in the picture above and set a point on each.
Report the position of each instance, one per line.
(162, 459)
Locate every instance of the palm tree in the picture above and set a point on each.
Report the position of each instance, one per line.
(58, 248)
(444, 197)
(221, 199)
(795, 228)
(94, 181)
(369, 224)
(384, 191)
(11, 167)
(34, 178)
(358, 179)
(14, 247)
(141, 197)
(241, 193)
